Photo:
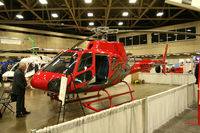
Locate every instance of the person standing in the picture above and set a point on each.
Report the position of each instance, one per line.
(197, 73)
(18, 88)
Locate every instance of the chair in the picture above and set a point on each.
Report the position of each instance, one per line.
(5, 101)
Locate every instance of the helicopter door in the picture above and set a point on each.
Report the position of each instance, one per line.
(102, 68)
(85, 70)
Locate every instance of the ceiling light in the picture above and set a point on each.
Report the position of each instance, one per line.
(176, 54)
(91, 23)
(54, 15)
(1, 3)
(132, 1)
(19, 16)
(43, 1)
(159, 14)
(125, 14)
(88, 1)
(90, 14)
(120, 23)
(186, 53)
(189, 30)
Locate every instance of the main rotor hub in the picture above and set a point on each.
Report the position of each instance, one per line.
(102, 32)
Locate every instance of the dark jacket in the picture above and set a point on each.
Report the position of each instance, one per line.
(197, 73)
(19, 82)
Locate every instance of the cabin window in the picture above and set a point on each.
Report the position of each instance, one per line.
(83, 77)
(90, 46)
(85, 62)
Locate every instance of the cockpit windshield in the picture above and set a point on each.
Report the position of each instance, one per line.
(15, 66)
(64, 63)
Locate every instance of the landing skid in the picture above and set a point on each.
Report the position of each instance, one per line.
(88, 104)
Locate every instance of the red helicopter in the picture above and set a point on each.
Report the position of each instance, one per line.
(101, 65)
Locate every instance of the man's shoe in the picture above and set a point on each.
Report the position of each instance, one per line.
(19, 115)
(26, 113)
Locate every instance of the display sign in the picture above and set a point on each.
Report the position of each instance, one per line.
(63, 88)
(10, 41)
(190, 4)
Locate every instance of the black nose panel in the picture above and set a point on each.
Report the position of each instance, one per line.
(54, 85)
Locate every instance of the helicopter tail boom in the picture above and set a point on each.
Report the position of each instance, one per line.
(146, 64)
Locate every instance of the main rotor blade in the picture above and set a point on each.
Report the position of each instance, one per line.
(160, 31)
(39, 23)
(82, 41)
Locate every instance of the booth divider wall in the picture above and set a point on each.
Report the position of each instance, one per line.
(122, 119)
(162, 107)
(159, 109)
(170, 78)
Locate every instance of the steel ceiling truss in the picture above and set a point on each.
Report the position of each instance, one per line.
(73, 13)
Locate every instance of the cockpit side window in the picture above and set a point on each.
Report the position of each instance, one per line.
(85, 62)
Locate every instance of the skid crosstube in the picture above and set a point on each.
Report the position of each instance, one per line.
(88, 104)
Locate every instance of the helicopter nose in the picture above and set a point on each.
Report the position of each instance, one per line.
(39, 81)
(46, 80)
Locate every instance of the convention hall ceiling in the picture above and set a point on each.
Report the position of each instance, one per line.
(71, 16)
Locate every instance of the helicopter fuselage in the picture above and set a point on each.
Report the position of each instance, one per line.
(102, 64)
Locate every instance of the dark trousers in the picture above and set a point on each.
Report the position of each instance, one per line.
(20, 104)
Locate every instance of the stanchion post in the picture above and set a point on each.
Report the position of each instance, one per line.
(198, 111)
(198, 97)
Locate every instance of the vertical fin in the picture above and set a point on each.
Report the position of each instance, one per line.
(164, 55)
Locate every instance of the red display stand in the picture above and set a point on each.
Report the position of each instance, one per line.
(198, 116)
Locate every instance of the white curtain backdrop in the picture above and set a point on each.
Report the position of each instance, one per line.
(162, 107)
(169, 78)
(192, 94)
(126, 118)
(129, 118)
